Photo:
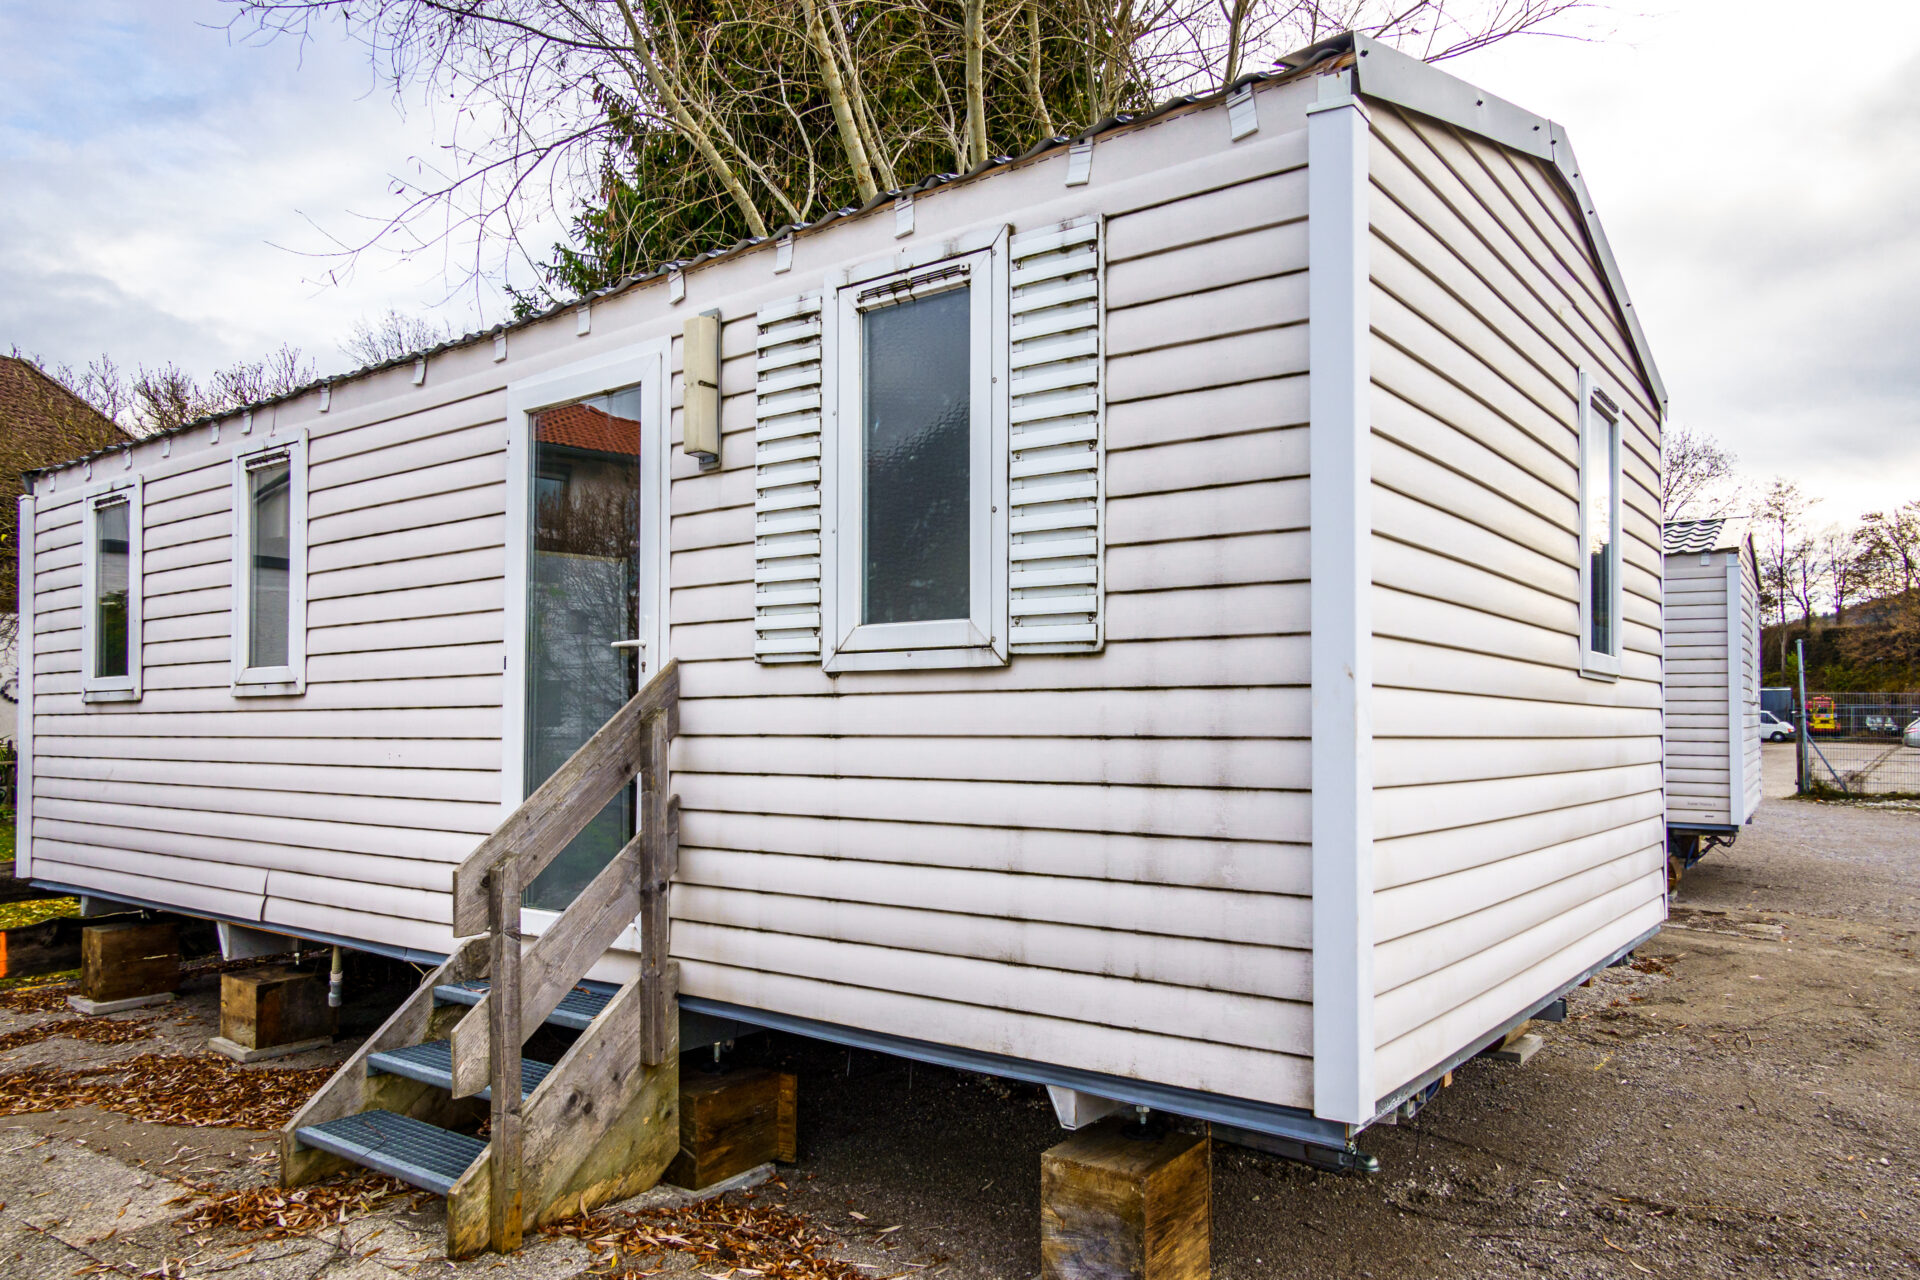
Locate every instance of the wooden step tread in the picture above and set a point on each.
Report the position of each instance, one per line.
(432, 1063)
(420, 1154)
(576, 1009)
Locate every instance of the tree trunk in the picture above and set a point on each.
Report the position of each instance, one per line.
(843, 119)
(976, 86)
(863, 109)
(1034, 91)
(1236, 30)
(683, 117)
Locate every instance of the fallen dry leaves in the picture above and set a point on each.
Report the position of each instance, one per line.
(274, 1212)
(724, 1237)
(93, 1030)
(206, 1091)
(47, 997)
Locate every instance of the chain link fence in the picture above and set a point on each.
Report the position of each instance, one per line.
(1861, 743)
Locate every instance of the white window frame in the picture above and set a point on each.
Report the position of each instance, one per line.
(980, 639)
(93, 686)
(259, 682)
(1599, 411)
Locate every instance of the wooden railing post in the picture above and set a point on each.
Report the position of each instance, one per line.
(659, 861)
(503, 1056)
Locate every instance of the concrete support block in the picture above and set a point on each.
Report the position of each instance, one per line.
(731, 1122)
(1118, 1206)
(1517, 1050)
(240, 1053)
(122, 961)
(100, 1008)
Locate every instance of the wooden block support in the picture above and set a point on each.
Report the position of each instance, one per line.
(1118, 1207)
(732, 1122)
(275, 1005)
(120, 961)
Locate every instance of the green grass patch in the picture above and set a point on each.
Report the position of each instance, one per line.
(15, 915)
(63, 978)
(6, 843)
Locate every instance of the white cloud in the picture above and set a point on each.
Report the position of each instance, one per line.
(171, 195)
(1759, 196)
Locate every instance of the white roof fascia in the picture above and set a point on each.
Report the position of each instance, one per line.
(1405, 81)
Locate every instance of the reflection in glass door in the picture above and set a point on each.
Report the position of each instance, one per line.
(583, 596)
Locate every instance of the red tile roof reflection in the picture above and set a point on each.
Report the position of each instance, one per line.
(582, 426)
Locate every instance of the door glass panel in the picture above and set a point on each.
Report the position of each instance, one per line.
(110, 601)
(583, 594)
(917, 436)
(271, 514)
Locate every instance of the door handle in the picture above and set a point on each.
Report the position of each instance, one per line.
(641, 645)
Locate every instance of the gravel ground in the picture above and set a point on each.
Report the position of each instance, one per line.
(1741, 1102)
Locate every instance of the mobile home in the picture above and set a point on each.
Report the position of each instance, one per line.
(1713, 686)
(1077, 665)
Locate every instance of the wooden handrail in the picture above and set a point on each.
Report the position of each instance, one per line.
(603, 1121)
(486, 1043)
(561, 807)
(525, 987)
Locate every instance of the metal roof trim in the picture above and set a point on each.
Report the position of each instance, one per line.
(1040, 149)
(1384, 73)
(1405, 81)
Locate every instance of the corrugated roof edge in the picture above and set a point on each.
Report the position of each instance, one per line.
(1689, 537)
(1383, 72)
(1289, 70)
(1391, 76)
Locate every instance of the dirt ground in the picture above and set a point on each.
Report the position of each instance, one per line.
(1744, 1101)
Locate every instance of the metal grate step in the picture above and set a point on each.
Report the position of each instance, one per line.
(432, 1063)
(417, 1153)
(575, 1010)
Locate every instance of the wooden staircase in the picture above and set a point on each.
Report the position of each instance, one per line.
(600, 1124)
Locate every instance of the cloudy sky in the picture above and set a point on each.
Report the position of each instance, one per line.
(167, 193)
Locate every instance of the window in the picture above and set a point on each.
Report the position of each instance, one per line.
(111, 588)
(1600, 422)
(918, 433)
(270, 569)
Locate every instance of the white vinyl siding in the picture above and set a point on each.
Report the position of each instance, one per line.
(1706, 678)
(1095, 858)
(1749, 634)
(1517, 806)
(1092, 858)
(341, 811)
(1096, 854)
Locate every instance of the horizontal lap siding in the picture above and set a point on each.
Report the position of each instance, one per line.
(1096, 860)
(1517, 805)
(1750, 662)
(1696, 695)
(1092, 860)
(341, 811)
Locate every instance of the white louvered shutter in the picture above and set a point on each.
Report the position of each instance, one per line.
(1055, 515)
(786, 502)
